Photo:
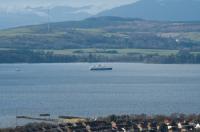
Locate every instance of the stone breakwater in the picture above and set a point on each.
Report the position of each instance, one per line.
(124, 123)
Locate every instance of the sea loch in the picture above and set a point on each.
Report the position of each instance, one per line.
(72, 89)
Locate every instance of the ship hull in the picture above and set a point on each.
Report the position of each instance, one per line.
(101, 69)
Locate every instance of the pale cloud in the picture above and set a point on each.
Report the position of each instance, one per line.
(94, 6)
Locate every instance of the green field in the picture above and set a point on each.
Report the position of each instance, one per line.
(109, 52)
(113, 52)
(1, 49)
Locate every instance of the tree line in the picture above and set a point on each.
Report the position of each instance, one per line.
(31, 56)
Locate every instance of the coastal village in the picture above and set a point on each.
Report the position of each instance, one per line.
(113, 123)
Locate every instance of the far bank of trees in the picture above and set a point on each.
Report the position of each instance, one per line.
(30, 56)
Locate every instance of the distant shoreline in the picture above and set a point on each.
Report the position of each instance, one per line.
(100, 63)
(147, 56)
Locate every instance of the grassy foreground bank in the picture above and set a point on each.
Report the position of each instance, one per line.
(123, 123)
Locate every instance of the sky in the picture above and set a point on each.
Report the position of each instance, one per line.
(94, 6)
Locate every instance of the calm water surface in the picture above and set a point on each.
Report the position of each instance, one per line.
(71, 89)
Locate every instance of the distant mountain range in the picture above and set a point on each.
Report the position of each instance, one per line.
(164, 10)
(33, 16)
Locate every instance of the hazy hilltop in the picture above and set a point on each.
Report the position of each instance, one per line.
(39, 15)
(167, 10)
(22, 12)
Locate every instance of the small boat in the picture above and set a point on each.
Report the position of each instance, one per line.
(17, 69)
(100, 67)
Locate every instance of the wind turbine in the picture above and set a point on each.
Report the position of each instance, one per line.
(48, 23)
